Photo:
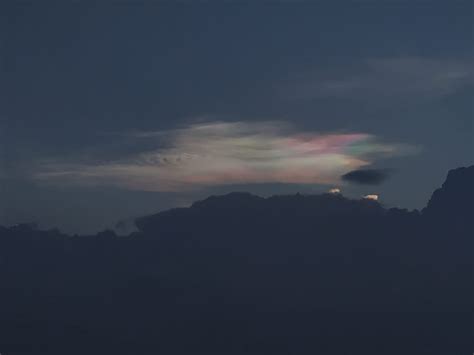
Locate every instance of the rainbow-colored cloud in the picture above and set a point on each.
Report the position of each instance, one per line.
(219, 153)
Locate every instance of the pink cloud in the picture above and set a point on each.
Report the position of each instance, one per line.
(220, 153)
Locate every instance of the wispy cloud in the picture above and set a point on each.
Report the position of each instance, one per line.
(384, 78)
(220, 153)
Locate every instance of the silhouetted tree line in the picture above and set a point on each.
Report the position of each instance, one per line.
(241, 274)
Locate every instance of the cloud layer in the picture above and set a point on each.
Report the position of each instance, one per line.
(366, 176)
(397, 78)
(220, 153)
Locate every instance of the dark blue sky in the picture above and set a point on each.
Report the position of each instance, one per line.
(81, 80)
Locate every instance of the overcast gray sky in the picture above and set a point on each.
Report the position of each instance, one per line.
(117, 109)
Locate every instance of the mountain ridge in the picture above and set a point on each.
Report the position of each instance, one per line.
(254, 276)
(456, 189)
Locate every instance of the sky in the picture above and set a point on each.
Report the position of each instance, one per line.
(116, 109)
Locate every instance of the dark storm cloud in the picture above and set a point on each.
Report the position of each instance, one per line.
(366, 176)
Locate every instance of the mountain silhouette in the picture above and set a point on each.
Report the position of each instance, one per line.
(246, 210)
(455, 199)
(242, 274)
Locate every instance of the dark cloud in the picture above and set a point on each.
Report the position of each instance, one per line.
(366, 176)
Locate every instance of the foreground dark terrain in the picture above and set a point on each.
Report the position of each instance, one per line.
(240, 274)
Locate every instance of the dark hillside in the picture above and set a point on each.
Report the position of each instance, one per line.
(241, 274)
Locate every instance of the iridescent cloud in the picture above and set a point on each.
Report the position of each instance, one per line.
(220, 153)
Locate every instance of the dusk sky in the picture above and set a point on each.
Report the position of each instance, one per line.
(119, 109)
